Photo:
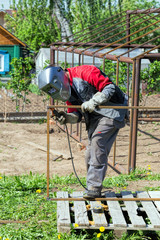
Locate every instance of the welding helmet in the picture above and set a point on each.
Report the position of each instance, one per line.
(54, 82)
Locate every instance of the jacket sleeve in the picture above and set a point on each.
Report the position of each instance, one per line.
(109, 91)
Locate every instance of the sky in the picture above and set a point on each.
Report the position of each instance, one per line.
(5, 3)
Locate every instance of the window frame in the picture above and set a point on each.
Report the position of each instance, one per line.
(2, 63)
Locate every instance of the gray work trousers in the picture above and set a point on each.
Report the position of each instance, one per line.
(98, 150)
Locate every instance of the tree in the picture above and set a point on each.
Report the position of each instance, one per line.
(20, 79)
(33, 23)
(61, 9)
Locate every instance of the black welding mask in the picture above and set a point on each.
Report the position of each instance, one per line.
(54, 82)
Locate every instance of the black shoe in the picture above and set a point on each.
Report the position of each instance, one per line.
(90, 194)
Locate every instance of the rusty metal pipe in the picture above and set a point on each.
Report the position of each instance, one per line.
(95, 44)
(139, 46)
(142, 54)
(113, 31)
(95, 34)
(98, 55)
(113, 107)
(135, 38)
(114, 146)
(104, 20)
(52, 55)
(48, 152)
(129, 34)
(101, 45)
(135, 114)
(131, 118)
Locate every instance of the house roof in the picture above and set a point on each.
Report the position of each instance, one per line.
(7, 38)
(9, 11)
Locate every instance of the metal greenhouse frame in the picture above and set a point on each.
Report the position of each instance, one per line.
(100, 41)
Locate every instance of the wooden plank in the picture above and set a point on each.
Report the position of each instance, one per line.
(150, 209)
(98, 218)
(63, 213)
(137, 221)
(155, 194)
(80, 211)
(115, 212)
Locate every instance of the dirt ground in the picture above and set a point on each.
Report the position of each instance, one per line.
(23, 149)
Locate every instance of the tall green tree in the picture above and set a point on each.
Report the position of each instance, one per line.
(33, 23)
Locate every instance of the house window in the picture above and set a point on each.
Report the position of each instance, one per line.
(1, 63)
(4, 62)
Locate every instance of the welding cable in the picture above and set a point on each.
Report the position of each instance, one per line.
(69, 144)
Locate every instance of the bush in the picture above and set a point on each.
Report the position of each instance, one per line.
(110, 71)
(151, 78)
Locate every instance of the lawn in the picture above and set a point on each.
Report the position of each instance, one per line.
(25, 213)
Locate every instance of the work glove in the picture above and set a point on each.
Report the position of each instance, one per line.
(97, 99)
(67, 118)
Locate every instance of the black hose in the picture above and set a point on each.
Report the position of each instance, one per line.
(72, 159)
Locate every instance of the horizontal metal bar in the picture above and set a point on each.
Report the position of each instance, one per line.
(105, 199)
(103, 44)
(135, 38)
(110, 107)
(152, 56)
(91, 54)
(139, 46)
(149, 119)
(144, 53)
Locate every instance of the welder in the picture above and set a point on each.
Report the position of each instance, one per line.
(88, 87)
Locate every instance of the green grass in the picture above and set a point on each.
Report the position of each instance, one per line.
(20, 201)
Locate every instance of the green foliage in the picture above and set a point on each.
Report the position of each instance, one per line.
(42, 120)
(85, 13)
(33, 23)
(33, 88)
(21, 78)
(46, 63)
(3, 84)
(64, 65)
(151, 77)
(110, 70)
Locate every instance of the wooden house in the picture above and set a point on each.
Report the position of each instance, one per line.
(10, 47)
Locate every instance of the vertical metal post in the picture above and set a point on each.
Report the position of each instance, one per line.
(65, 59)
(114, 147)
(93, 60)
(57, 57)
(82, 58)
(127, 40)
(52, 61)
(131, 118)
(80, 135)
(135, 114)
(72, 59)
(52, 56)
(48, 152)
(104, 64)
(79, 60)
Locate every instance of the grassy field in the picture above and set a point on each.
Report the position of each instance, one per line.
(23, 198)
